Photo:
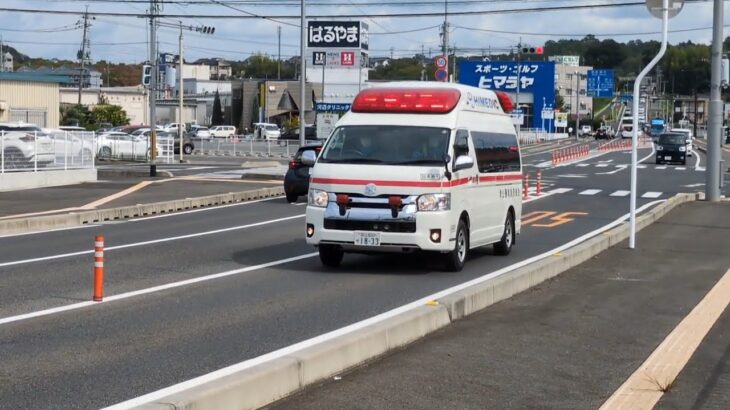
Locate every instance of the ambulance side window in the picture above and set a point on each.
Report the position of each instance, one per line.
(461, 143)
(496, 152)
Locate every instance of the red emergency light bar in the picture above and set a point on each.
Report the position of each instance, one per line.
(407, 100)
(505, 101)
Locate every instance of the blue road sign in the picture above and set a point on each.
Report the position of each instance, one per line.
(600, 83)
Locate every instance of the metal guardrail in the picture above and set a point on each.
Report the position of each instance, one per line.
(23, 151)
(243, 146)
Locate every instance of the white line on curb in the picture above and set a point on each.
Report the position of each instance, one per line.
(215, 375)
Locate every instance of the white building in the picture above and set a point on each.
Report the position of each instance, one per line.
(133, 100)
(568, 87)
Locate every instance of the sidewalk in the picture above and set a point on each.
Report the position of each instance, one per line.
(570, 342)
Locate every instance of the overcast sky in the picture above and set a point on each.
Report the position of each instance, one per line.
(123, 39)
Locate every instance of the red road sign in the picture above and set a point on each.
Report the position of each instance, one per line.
(441, 62)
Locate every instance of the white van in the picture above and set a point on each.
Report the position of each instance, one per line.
(688, 138)
(262, 130)
(417, 166)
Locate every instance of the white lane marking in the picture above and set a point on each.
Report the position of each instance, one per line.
(694, 185)
(641, 166)
(660, 167)
(535, 198)
(153, 289)
(572, 176)
(582, 165)
(680, 168)
(154, 241)
(652, 195)
(607, 160)
(560, 190)
(601, 165)
(653, 151)
(619, 168)
(589, 192)
(697, 159)
(620, 193)
(292, 349)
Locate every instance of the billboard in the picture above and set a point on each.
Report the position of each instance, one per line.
(336, 58)
(337, 34)
(535, 77)
(573, 61)
(600, 83)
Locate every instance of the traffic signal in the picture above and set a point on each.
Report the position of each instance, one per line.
(533, 50)
(205, 29)
(146, 75)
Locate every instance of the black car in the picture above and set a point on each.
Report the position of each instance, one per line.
(671, 148)
(292, 135)
(296, 180)
(601, 134)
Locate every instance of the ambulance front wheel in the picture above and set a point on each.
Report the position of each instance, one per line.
(330, 255)
(455, 259)
(504, 246)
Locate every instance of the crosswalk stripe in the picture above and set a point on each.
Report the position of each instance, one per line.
(601, 165)
(652, 195)
(680, 168)
(662, 167)
(641, 166)
(589, 192)
(620, 193)
(560, 190)
(582, 165)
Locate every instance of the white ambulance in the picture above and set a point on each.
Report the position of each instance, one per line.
(417, 166)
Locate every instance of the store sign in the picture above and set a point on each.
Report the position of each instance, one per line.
(336, 58)
(573, 61)
(326, 124)
(561, 119)
(332, 107)
(339, 34)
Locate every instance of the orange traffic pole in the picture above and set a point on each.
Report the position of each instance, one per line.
(98, 268)
(526, 187)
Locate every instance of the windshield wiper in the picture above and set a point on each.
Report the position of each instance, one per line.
(353, 160)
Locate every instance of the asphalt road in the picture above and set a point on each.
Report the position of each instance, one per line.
(99, 355)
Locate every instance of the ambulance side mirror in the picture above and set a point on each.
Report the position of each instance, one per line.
(309, 157)
(463, 162)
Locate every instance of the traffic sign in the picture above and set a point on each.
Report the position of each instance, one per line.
(441, 74)
(655, 7)
(600, 83)
(441, 62)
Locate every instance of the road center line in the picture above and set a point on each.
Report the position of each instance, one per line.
(161, 240)
(292, 349)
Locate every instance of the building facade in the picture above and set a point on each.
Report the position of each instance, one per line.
(133, 100)
(68, 77)
(571, 84)
(31, 99)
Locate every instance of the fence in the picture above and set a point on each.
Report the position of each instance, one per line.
(120, 146)
(33, 151)
(536, 135)
(240, 146)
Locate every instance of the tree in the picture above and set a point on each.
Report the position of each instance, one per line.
(107, 113)
(217, 117)
(75, 115)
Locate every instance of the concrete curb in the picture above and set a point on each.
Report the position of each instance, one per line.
(268, 381)
(254, 175)
(111, 173)
(37, 223)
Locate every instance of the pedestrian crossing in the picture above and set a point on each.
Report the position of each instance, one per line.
(605, 165)
(618, 193)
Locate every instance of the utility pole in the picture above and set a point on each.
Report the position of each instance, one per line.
(278, 59)
(517, 99)
(154, 8)
(2, 55)
(302, 74)
(180, 120)
(82, 53)
(577, 103)
(445, 36)
(713, 173)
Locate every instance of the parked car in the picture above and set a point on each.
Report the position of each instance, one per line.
(671, 147)
(627, 131)
(123, 146)
(173, 127)
(163, 137)
(25, 145)
(292, 135)
(296, 180)
(688, 138)
(74, 144)
(199, 132)
(262, 130)
(222, 131)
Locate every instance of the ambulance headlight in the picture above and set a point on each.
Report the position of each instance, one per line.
(434, 202)
(318, 198)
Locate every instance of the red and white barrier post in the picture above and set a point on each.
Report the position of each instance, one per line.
(526, 187)
(98, 268)
(538, 188)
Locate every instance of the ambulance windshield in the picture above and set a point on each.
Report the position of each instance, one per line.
(387, 144)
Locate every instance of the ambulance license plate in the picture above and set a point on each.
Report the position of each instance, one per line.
(668, 158)
(367, 238)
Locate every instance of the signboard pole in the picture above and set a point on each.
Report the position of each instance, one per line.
(324, 66)
(517, 103)
(302, 76)
(635, 111)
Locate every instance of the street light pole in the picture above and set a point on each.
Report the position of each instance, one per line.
(180, 121)
(577, 103)
(714, 135)
(153, 90)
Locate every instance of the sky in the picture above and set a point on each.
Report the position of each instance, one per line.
(124, 39)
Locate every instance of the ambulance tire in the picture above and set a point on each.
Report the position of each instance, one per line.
(455, 259)
(504, 246)
(331, 255)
